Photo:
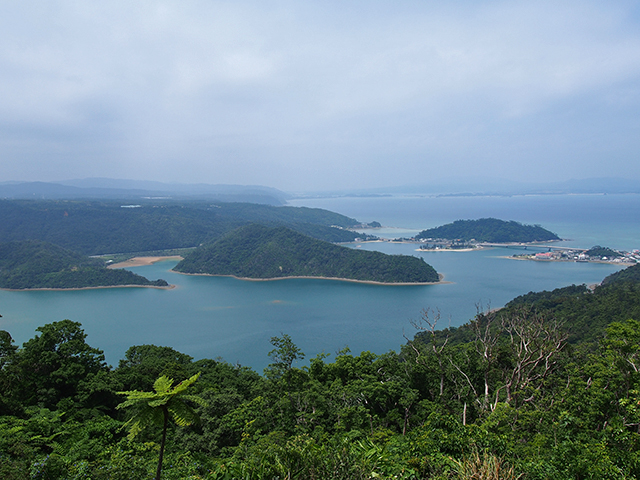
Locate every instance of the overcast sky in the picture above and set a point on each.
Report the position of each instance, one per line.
(308, 95)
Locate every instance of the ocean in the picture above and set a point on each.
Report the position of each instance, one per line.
(225, 318)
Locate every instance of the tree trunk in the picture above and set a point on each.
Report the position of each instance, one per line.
(162, 443)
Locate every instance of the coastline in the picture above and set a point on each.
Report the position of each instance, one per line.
(45, 289)
(143, 261)
(132, 262)
(368, 282)
(621, 264)
(450, 249)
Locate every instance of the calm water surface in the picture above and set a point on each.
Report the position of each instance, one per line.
(233, 319)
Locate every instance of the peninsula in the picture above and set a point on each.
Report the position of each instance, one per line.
(595, 254)
(33, 264)
(261, 252)
(469, 233)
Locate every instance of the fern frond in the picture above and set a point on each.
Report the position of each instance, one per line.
(163, 384)
(182, 414)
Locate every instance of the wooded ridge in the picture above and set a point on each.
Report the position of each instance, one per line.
(96, 228)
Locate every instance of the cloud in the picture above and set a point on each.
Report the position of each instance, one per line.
(313, 94)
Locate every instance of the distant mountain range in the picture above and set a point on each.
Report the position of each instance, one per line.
(106, 188)
(109, 188)
(496, 186)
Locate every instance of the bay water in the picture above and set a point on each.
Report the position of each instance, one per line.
(220, 317)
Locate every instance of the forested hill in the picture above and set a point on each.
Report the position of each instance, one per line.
(95, 228)
(489, 230)
(583, 314)
(629, 274)
(256, 251)
(36, 264)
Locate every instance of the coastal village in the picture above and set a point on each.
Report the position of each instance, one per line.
(595, 254)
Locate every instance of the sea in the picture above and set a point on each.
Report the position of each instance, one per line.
(233, 320)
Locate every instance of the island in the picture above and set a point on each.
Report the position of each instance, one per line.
(34, 264)
(261, 252)
(466, 233)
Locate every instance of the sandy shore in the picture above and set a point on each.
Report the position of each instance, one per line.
(450, 249)
(142, 261)
(369, 282)
(548, 260)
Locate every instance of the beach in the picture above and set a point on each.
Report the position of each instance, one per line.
(369, 282)
(143, 261)
(45, 289)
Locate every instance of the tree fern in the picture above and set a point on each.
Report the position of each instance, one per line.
(158, 407)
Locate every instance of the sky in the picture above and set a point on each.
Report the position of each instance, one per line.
(318, 95)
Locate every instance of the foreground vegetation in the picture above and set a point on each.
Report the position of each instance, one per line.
(489, 230)
(547, 387)
(256, 251)
(36, 264)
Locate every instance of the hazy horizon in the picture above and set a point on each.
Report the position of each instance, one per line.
(320, 96)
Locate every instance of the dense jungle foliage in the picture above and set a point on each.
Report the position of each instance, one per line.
(256, 251)
(489, 230)
(37, 264)
(95, 228)
(630, 274)
(506, 396)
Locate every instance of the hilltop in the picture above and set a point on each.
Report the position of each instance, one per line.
(490, 230)
(261, 252)
(35, 264)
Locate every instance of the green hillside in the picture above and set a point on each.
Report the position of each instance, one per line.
(256, 251)
(95, 228)
(629, 274)
(35, 264)
(489, 230)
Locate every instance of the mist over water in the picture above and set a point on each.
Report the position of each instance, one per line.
(209, 317)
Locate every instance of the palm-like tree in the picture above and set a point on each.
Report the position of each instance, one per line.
(158, 407)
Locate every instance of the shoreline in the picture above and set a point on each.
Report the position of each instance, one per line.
(621, 264)
(368, 282)
(132, 262)
(51, 289)
(451, 249)
(143, 261)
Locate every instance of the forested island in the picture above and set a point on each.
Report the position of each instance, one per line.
(260, 252)
(490, 230)
(32, 264)
(546, 387)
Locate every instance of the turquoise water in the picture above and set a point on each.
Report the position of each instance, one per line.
(233, 319)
